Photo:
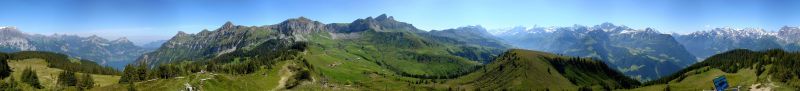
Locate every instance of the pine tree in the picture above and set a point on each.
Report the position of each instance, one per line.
(129, 74)
(143, 72)
(86, 82)
(67, 78)
(5, 71)
(29, 76)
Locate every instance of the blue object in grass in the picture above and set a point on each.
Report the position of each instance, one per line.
(720, 83)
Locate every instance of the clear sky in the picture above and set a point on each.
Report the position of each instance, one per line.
(147, 20)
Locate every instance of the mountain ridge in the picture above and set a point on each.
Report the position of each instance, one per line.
(621, 47)
(106, 52)
(709, 42)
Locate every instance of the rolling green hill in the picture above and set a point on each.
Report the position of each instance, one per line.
(532, 70)
(47, 67)
(762, 70)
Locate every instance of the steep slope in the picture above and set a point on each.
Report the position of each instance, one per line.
(771, 69)
(115, 53)
(643, 54)
(531, 70)
(208, 44)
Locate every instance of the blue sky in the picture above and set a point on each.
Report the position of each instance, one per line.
(146, 20)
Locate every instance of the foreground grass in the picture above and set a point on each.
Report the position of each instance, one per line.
(702, 79)
(265, 79)
(48, 76)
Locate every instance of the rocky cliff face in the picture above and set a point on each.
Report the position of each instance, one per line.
(12, 39)
(380, 23)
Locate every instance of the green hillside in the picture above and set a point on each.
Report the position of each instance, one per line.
(762, 70)
(532, 70)
(48, 66)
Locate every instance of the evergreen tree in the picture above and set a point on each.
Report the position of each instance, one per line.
(67, 78)
(5, 71)
(129, 74)
(142, 71)
(29, 76)
(86, 82)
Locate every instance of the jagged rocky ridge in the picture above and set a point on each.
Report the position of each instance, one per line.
(206, 44)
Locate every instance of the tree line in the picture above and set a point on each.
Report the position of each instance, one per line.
(61, 61)
(591, 69)
(66, 78)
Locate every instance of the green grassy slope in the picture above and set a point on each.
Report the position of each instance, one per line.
(47, 75)
(532, 70)
(765, 70)
(405, 53)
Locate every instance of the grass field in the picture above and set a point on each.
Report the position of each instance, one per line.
(258, 81)
(48, 76)
(702, 79)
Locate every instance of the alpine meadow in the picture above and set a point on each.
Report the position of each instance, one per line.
(391, 45)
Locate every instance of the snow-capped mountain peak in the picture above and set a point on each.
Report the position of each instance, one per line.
(8, 27)
(735, 33)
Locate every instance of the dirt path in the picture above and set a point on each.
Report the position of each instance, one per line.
(284, 77)
(763, 87)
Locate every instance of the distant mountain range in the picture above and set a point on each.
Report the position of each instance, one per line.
(115, 53)
(646, 54)
(706, 43)
(641, 53)
(154, 44)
